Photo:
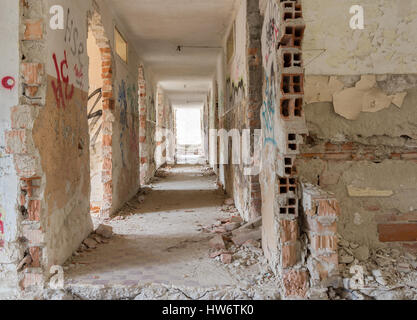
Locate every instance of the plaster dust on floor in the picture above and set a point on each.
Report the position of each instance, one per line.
(160, 250)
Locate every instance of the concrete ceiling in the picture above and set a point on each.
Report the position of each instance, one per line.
(158, 27)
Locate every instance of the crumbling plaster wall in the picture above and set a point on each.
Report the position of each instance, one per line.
(9, 94)
(65, 157)
(387, 45)
(361, 97)
(45, 131)
(377, 151)
(242, 102)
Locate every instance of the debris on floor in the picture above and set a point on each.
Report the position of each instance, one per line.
(384, 273)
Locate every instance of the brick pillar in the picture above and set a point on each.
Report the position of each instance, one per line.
(143, 142)
(254, 62)
(19, 143)
(283, 125)
(320, 214)
(108, 108)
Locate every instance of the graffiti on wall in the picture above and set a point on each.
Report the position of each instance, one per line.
(8, 83)
(72, 38)
(270, 33)
(132, 96)
(128, 101)
(268, 108)
(235, 92)
(62, 87)
(270, 36)
(2, 216)
(63, 92)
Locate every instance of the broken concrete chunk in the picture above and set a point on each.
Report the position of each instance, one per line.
(232, 226)
(249, 226)
(240, 238)
(217, 253)
(361, 253)
(90, 243)
(217, 243)
(346, 259)
(105, 231)
(236, 219)
(403, 267)
(252, 244)
(226, 258)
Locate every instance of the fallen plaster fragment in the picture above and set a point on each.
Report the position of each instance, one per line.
(368, 192)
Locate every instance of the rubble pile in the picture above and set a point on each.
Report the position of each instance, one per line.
(207, 172)
(382, 273)
(235, 243)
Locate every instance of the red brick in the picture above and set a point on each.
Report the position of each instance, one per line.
(321, 242)
(107, 164)
(31, 91)
(409, 156)
(34, 30)
(289, 255)
(107, 140)
(15, 142)
(328, 208)
(395, 217)
(295, 283)
(35, 253)
(32, 73)
(34, 210)
(289, 230)
(313, 224)
(397, 232)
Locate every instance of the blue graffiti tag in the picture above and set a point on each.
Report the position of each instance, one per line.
(268, 109)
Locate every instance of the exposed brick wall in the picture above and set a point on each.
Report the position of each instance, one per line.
(108, 108)
(20, 144)
(320, 213)
(283, 125)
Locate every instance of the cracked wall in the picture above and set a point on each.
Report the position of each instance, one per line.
(242, 102)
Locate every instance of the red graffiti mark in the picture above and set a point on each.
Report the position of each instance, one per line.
(8, 82)
(1, 225)
(57, 87)
(78, 72)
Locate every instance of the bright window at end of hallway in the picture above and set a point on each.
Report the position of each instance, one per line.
(120, 44)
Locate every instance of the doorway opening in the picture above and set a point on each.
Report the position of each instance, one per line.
(189, 135)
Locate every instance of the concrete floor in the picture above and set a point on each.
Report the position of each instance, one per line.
(159, 243)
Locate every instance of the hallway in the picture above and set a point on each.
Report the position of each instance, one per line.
(160, 243)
